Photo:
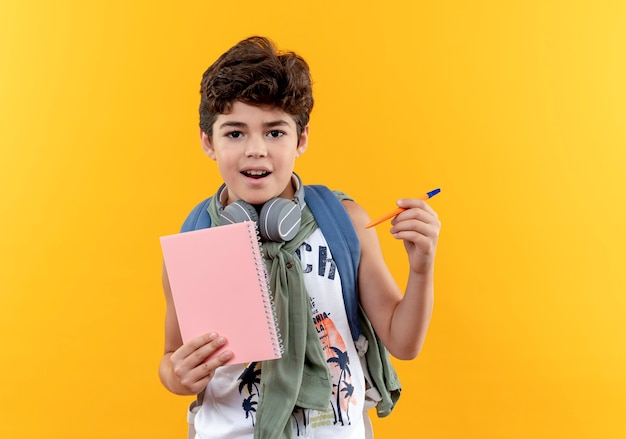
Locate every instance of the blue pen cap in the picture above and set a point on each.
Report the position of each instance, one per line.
(433, 192)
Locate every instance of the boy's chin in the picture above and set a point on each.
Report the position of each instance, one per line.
(255, 199)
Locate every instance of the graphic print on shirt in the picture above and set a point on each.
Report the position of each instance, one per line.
(249, 381)
(322, 261)
(335, 352)
(338, 363)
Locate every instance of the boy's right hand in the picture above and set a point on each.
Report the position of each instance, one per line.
(194, 363)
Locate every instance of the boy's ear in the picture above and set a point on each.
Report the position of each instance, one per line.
(207, 146)
(303, 141)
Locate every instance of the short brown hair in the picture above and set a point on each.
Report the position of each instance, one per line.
(254, 72)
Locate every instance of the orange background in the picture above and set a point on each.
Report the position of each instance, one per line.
(515, 109)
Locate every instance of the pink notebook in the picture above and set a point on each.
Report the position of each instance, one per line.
(219, 283)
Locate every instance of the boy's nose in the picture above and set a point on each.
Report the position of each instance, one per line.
(256, 148)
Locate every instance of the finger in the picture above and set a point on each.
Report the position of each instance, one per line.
(420, 240)
(206, 370)
(414, 206)
(185, 365)
(197, 379)
(410, 217)
(207, 367)
(199, 368)
(205, 352)
(193, 345)
(409, 203)
(412, 228)
(204, 373)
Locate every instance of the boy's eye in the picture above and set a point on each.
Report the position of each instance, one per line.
(275, 133)
(234, 134)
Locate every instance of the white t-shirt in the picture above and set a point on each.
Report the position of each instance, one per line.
(229, 407)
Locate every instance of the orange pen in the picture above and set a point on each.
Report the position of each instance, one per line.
(401, 209)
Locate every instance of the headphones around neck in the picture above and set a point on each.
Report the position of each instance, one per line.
(277, 220)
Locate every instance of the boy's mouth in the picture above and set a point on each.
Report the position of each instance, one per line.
(255, 173)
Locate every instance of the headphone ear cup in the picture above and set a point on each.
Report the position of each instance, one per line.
(238, 212)
(279, 220)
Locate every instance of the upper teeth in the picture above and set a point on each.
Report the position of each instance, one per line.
(254, 172)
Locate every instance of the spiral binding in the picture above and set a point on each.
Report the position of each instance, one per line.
(268, 300)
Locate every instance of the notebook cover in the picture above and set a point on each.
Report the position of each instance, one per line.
(218, 283)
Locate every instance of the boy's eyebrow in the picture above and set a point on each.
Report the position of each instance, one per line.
(271, 124)
(276, 123)
(233, 124)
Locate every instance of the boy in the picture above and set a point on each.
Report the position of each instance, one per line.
(254, 113)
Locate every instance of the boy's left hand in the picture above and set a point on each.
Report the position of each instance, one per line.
(419, 227)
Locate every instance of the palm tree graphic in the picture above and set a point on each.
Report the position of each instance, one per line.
(342, 360)
(250, 379)
(348, 389)
(248, 407)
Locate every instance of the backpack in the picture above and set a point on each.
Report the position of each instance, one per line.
(340, 235)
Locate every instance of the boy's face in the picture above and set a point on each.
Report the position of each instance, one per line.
(255, 149)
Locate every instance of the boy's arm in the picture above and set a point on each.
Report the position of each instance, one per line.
(186, 369)
(400, 320)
